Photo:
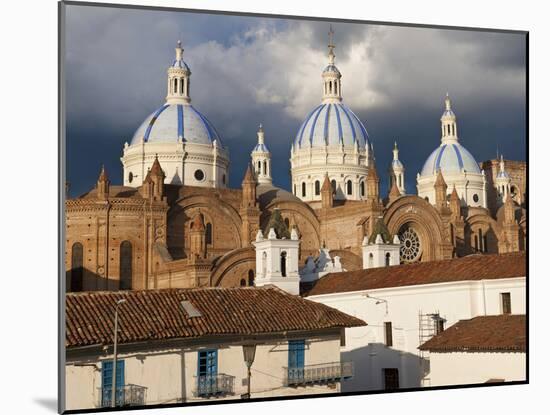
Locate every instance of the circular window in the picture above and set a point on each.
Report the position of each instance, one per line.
(476, 198)
(199, 175)
(410, 245)
(130, 177)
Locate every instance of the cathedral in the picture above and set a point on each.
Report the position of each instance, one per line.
(175, 222)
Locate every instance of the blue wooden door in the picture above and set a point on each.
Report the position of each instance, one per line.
(107, 382)
(296, 352)
(207, 372)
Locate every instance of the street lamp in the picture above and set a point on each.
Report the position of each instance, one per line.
(249, 351)
(113, 396)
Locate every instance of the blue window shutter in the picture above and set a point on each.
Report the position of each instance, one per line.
(296, 352)
(107, 374)
(207, 363)
(119, 374)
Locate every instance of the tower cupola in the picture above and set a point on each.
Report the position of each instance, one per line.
(261, 159)
(178, 79)
(332, 85)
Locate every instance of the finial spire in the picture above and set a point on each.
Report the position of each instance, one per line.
(331, 45)
(260, 134)
(179, 51)
(395, 151)
(447, 102)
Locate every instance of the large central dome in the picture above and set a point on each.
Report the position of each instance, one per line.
(332, 142)
(331, 124)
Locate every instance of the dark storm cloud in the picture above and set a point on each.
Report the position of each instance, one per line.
(249, 70)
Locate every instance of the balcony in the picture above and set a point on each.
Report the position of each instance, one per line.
(127, 395)
(208, 386)
(319, 374)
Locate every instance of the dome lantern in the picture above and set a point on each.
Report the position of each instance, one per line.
(449, 133)
(332, 89)
(178, 79)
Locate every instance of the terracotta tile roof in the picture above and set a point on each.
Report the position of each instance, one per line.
(158, 314)
(505, 332)
(472, 267)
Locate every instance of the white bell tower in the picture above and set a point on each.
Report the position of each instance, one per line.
(397, 171)
(261, 159)
(380, 250)
(277, 260)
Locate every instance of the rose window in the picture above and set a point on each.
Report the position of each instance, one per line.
(410, 245)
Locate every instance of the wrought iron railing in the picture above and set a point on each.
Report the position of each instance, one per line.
(318, 374)
(127, 395)
(214, 385)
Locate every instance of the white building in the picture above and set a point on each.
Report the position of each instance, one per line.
(186, 345)
(486, 349)
(277, 260)
(459, 168)
(188, 146)
(406, 305)
(331, 140)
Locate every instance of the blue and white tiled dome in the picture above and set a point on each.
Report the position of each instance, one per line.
(331, 68)
(173, 122)
(261, 147)
(332, 124)
(450, 158)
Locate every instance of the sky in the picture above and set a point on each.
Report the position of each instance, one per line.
(250, 70)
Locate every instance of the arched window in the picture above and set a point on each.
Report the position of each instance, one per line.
(448, 129)
(243, 282)
(181, 86)
(77, 270)
(371, 260)
(176, 85)
(387, 259)
(303, 189)
(283, 264)
(208, 234)
(335, 87)
(476, 244)
(349, 187)
(330, 87)
(362, 188)
(480, 235)
(259, 166)
(265, 167)
(333, 184)
(264, 264)
(317, 187)
(251, 277)
(294, 190)
(125, 265)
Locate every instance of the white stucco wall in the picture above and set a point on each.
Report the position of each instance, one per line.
(473, 367)
(401, 306)
(170, 373)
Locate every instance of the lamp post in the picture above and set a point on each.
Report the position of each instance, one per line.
(113, 395)
(249, 351)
